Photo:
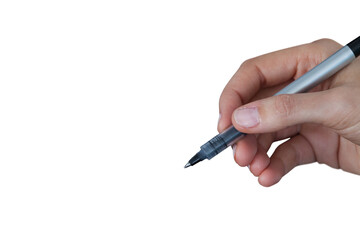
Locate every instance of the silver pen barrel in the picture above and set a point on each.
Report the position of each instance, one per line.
(321, 72)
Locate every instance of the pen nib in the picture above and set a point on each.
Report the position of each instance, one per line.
(187, 165)
(195, 159)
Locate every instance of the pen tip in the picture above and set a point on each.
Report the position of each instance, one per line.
(195, 159)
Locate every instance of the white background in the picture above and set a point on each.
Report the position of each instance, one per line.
(103, 102)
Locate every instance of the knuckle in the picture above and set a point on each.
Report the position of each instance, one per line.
(284, 105)
(326, 44)
(324, 41)
(247, 63)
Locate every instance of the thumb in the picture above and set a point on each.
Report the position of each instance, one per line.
(278, 112)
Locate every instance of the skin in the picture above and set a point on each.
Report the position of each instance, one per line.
(322, 125)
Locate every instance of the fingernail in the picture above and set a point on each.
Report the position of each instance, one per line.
(234, 149)
(219, 118)
(247, 117)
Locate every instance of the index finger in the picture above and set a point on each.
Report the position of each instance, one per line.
(267, 71)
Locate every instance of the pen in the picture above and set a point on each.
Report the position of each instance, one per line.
(315, 76)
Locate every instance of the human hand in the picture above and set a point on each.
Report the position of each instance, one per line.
(323, 125)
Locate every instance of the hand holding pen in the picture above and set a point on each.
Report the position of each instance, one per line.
(322, 125)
